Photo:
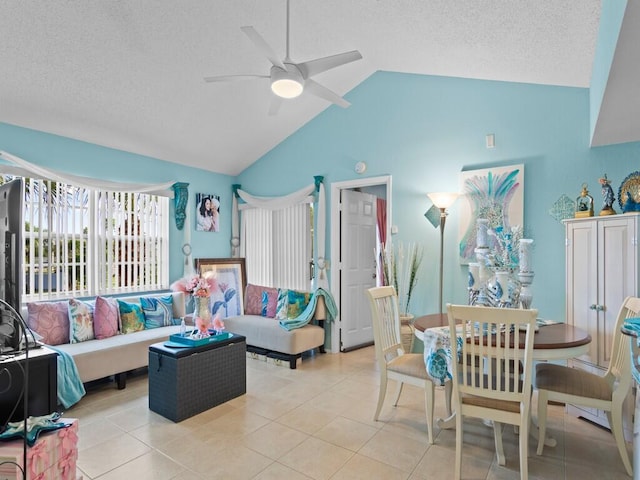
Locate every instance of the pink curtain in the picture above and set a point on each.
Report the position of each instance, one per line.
(381, 207)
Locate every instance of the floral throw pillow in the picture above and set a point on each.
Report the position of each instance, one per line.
(282, 304)
(131, 317)
(50, 320)
(80, 321)
(298, 301)
(158, 312)
(106, 317)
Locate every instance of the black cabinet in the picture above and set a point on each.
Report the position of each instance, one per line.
(43, 384)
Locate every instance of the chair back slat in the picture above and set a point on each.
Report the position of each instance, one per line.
(620, 363)
(494, 340)
(386, 323)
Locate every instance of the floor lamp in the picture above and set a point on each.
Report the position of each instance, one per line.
(442, 201)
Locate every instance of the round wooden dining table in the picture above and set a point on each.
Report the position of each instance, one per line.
(557, 341)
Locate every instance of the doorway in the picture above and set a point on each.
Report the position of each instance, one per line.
(352, 328)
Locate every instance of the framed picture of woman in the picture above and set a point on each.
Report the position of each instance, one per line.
(207, 212)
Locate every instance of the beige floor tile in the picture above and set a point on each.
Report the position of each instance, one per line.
(104, 457)
(274, 440)
(307, 418)
(396, 450)
(150, 466)
(93, 433)
(360, 467)
(277, 471)
(346, 433)
(316, 458)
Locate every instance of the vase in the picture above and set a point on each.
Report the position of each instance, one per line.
(406, 331)
(201, 308)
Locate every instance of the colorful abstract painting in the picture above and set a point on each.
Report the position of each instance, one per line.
(496, 194)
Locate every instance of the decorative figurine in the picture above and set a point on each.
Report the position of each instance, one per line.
(584, 204)
(607, 196)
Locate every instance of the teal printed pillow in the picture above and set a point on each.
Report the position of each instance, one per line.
(269, 302)
(298, 301)
(131, 317)
(282, 304)
(158, 311)
(80, 321)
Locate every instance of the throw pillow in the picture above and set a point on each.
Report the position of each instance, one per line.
(106, 317)
(158, 311)
(269, 302)
(282, 304)
(80, 321)
(298, 301)
(131, 317)
(253, 299)
(50, 320)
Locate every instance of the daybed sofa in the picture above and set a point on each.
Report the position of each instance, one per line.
(267, 337)
(105, 357)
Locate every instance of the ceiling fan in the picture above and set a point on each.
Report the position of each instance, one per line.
(289, 79)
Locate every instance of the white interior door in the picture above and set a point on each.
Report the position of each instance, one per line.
(357, 267)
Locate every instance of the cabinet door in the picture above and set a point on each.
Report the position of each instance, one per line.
(617, 277)
(582, 280)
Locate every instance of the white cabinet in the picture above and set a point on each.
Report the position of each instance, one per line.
(601, 271)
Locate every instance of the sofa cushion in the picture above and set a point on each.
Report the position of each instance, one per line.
(253, 299)
(131, 317)
(50, 320)
(158, 311)
(269, 302)
(282, 305)
(106, 318)
(271, 336)
(298, 301)
(80, 321)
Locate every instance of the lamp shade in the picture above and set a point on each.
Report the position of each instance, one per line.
(443, 200)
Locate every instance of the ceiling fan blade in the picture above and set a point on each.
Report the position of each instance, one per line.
(275, 104)
(319, 65)
(232, 78)
(318, 90)
(263, 46)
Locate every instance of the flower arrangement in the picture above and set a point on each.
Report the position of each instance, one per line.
(195, 285)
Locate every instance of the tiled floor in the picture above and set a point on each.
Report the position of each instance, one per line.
(315, 422)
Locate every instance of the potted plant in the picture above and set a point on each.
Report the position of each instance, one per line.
(400, 269)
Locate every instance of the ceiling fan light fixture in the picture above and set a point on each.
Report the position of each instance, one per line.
(286, 88)
(286, 83)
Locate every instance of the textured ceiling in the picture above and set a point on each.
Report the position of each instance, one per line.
(129, 74)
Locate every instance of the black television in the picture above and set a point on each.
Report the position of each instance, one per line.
(11, 225)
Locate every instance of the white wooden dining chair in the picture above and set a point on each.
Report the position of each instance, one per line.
(394, 363)
(579, 387)
(493, 390)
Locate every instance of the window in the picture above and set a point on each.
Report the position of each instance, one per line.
(82, 242)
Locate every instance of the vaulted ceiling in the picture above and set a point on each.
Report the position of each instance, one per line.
(129, 74)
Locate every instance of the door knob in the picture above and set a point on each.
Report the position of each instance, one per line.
(593, 307)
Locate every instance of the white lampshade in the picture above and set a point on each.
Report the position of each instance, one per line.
(443, 199)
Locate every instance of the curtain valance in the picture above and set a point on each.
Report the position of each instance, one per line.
(20, 167)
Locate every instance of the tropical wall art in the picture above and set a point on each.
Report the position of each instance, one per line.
(496, 194)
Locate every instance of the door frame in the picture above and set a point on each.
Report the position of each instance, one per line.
(336, 188)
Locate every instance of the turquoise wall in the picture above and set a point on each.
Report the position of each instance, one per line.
(424, 130)
(81, 158)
